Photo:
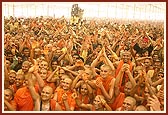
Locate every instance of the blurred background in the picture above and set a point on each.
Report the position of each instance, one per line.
(116, 10)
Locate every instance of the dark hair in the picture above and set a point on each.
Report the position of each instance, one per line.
(8, 52)
(18, 55)
(80, 58)
(25, 48)
(76, 54)
(55, 59)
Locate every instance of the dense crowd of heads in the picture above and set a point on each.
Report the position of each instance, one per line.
(52, 64)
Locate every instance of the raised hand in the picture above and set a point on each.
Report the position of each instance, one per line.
(64, 97)
(154, 103)
(74, 95)
(99, 83)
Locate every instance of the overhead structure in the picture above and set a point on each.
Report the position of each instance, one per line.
(118, 10)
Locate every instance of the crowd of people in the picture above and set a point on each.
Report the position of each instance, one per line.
(53, 64)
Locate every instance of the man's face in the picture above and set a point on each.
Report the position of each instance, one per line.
(105, 71)
(20, 60)
(44, 65)
(26, 52)
(147, 63)
(159, 76)
(43, 73)
(155, 57)
(98, 48)
(67, 83)
(143, 44)
(97, 102)
(7, 95)
(157, 65)
(126, 56)
(54, 65)
(146, 93)
(75, 58)
(135, 73)
(25, 67)
(37, 52)
(46, 93)
(84, 90)
(58, 52)
(127, 89)
(8, 63)
(9, 57)
(19, 80)
(12, 77)
(127, 105)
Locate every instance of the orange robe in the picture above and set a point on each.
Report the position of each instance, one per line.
(85, 101)
(24, 100)
(118, 101)
(124, 79)
(71, 101)
(53, 104)
(106, 84)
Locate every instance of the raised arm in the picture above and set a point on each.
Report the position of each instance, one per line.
(117, 81)
(105, 93)
(9, 106)
(39, 79)
(50, 78)
(108, 62)
(31, 87)
(95, 62)
(108, 108)
(132, 80)
(67, 106)
(80, 104)
(70, 71)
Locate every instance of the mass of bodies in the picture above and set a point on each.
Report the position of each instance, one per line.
(53, 64)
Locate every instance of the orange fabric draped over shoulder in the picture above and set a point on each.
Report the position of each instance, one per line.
(71, 101)
(124, 77)
(53, 104)
(85, 101)
(106, 84)
(118, 101)
(24, 99)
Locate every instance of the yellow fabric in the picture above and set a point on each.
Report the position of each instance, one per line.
(84, 54)
(150, 73)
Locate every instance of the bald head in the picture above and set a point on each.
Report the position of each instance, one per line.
(126, 56)
(140, 108)
(106, 66)
(48, 88)
(127, 89)
(105, 71)
(131, 99)
(129, 104)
